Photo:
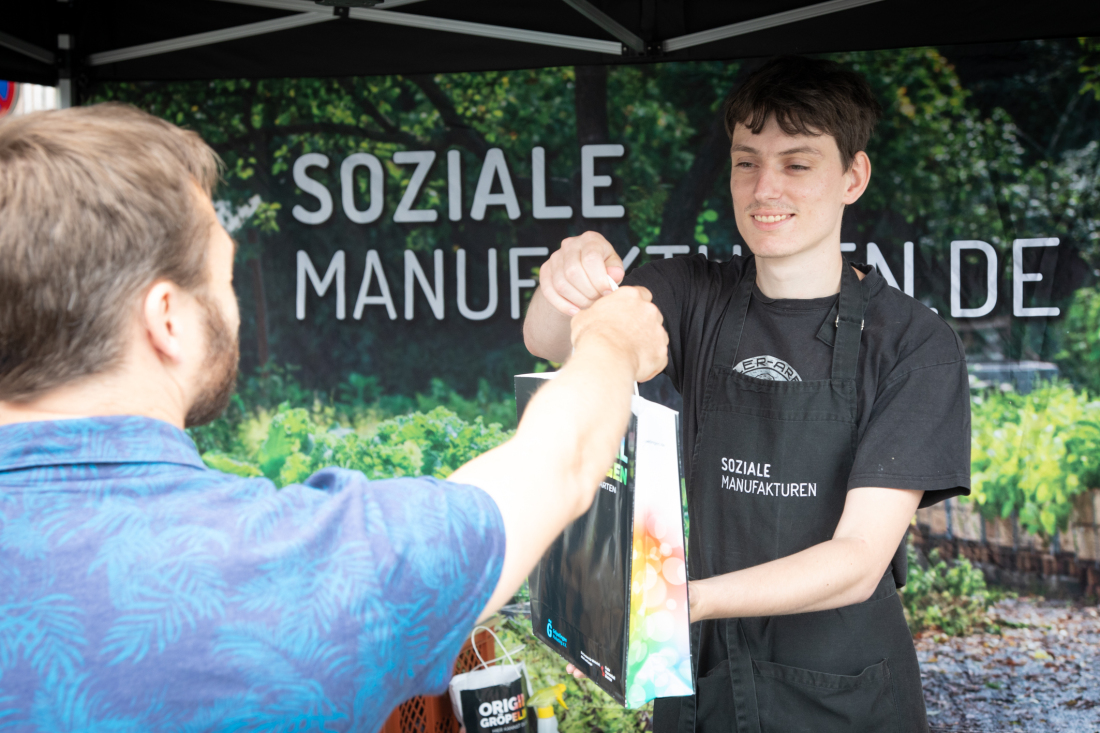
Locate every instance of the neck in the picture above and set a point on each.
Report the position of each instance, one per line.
(121, 392)
(812, 274)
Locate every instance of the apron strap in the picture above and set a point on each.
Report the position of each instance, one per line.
(733, 318)
(852, 305)
(742, 679)
(849, 324)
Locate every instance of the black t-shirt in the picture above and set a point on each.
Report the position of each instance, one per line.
(913, 395)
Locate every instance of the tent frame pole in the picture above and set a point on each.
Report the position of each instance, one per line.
(758, 24)
(307, 14)
(27, 49)
(210, 37)
(609, 24)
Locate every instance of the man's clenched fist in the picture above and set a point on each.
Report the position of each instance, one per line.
(628, 321)
(577, 275)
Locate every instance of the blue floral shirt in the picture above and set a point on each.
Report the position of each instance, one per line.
(140, 590)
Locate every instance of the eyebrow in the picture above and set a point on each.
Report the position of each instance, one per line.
(793, 151)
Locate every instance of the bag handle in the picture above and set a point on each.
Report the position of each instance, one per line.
(507, 654)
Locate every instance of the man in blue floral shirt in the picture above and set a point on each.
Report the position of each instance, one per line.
(140, 590)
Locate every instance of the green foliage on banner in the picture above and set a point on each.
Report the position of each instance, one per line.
(950, 597)
(933, 153)
(1080, 356)
(1032, 454)
(1090, 66)
(273, 425)
(419, 444)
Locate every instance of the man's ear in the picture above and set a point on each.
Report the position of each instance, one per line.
(161, 312)
(859, 175)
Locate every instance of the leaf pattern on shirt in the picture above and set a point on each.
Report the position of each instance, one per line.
(46, 631)
(163, 575)
(67, 705)
(140, 590)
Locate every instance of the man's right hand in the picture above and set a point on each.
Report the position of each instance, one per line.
(628, 321)
(577, 275)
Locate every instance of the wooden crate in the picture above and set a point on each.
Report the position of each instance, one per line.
(434, 713)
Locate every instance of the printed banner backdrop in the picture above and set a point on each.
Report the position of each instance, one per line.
(393, 226)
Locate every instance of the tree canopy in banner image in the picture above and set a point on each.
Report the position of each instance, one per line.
(949, 164)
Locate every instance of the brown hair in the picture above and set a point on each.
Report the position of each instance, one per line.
(808, 97)
(96, 204)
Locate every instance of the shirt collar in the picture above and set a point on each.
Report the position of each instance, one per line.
(116, 439)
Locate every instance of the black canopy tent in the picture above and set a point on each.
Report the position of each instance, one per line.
(53, 42)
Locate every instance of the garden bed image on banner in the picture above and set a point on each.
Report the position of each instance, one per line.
(610, 595)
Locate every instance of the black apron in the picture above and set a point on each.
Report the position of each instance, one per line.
(769, 477)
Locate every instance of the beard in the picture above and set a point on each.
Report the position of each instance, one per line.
(222, 355)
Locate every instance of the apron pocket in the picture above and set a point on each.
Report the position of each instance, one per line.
(792, 699)
(714, 711)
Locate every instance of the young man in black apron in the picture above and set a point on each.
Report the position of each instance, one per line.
(821, 408)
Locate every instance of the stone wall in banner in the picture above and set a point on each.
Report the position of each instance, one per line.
(1066, 564)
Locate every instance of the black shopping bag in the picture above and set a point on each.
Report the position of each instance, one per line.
(610, 595)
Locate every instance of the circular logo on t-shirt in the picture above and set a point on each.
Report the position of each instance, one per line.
(769, 368)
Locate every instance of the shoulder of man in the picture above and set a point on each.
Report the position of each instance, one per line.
(905, 333)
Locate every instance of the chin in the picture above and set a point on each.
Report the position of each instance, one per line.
(774, 250)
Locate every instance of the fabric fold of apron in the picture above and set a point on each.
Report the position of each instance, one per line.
(769, 478)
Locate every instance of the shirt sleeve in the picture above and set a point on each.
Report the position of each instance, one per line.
(918, 436)
(413, 562)
(683, 290)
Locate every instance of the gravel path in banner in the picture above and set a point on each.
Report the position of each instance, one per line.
(1041, 674)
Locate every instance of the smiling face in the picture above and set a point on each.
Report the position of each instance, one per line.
(789, 191)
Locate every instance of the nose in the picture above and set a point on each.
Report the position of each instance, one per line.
(768, 184)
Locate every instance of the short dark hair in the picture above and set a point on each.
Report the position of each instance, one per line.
(96, 204)
(808, 97)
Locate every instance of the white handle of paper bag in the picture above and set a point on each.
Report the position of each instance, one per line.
(485, 674)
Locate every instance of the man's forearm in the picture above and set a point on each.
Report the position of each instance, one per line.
(579, 417)
(546, 330)
(836, 573)
(547, 475)
(829, 575)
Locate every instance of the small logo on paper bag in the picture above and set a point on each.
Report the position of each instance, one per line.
(554, 634)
